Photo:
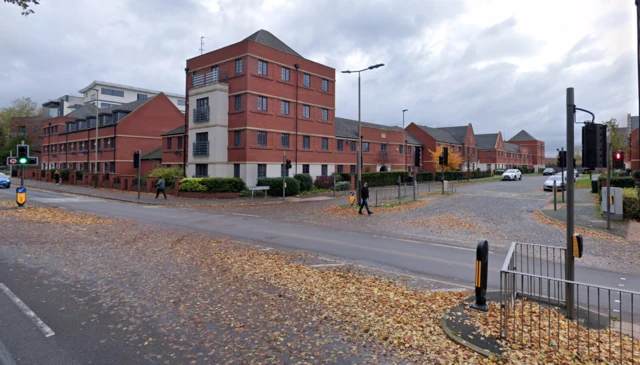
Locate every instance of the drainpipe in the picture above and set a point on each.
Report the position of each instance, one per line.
(297, 66)
(115, 131)
(66, 150)
(49, 149)
(186, 121)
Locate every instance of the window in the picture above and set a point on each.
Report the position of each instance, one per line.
(401, 149)
(112, 92)
(305, 169)
(237, 138)
(306, 80)
(306, 111)
(325, 143)
(213, 75)
(325, 114)
(365, 146)
(202, 110)
(179, 142)
(325, 85)
(306, 142)
(201, 145)
(285, 74)
(262, 138)
(181, 102)
(202, 170)
(262, 103)
(284, 140)
(408, 150)
(488, 153)
(169, 143)
(352, 145)
(99, 143)
(284, 107)
(340, 169)
(324, 171)
(112, 167)
(340, 145)
(142, 96)
(107, 105)
(239, 66)
(262, 170)
(383, 147)
(236, 166)
(238, 102)
(262, 68)
(22, 129)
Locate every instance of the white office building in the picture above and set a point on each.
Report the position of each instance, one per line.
(108, 94)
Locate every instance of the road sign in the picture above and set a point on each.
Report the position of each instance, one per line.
(12, 161)
(352, 197)
(21, 195)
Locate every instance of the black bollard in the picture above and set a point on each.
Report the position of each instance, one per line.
(482, 268)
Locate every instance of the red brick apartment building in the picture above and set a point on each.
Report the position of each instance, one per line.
(526, 141)
(253, 101)
(70, 141)
(495, 153)
(31, 129)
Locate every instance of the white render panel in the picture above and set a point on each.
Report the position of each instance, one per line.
(130, 94)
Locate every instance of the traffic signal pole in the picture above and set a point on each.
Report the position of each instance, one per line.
(568, 257)
(284, 181)
(139, 167)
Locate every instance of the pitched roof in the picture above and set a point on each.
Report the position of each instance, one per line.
(458, 133)
(511, 147)
(523, 136)
(439, 135)
(348, 128)
(173, 132)
(153, 155)
(267, 39)
(89, 110)
(412, 140)
(486, 141)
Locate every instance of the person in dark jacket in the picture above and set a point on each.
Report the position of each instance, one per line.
(160, 188)
(364, 196)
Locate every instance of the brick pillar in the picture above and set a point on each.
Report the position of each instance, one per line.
(353, 181)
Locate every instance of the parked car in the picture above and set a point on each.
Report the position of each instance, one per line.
(560, 184)
(5, 182)
(512, 174)
(575, 173)
(565, 176)
(548, 171)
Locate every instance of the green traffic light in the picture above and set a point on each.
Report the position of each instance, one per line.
(22, 160)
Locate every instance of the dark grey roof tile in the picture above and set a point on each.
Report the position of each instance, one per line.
(267, 39)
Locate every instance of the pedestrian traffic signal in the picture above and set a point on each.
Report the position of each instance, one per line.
(288, 165)
(445, 155)
(618, 160)
(136, 159)
(594, 145)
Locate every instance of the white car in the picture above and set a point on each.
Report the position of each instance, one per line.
(565, 176)
(560, 185)
(512, 174)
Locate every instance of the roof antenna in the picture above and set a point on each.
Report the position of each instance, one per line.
(202, 44)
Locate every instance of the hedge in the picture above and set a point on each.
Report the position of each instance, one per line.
(343, 186)
(631, 204)
(324, 182)
(424, 176)
(384, 178)
(636, 174)
(275, 186)
(306, 181)
(169, 174)
(618, 182)
(213, 185)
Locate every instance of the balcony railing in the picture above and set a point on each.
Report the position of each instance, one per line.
(201, 114)
(201, 148)
(209, 78)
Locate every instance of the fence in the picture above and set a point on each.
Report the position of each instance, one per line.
(406, 192)
(533, 294)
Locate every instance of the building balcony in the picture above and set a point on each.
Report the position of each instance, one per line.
(201, 115)
(201, 148)
(209, 78)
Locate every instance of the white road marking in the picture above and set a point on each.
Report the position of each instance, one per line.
(617, 301)
(326, 265)
(615, 310)
(246, 215)
(623, 278)
(431, 243)
(267, 249)
(66, 200)
(621, 284)
(28, 312)
(5, 356)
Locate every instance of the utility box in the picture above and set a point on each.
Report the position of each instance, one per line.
(445, 186)
(615, 210)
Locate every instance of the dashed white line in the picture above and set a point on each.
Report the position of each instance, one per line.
(28, 312)
(5, 356)
(326, 265)
(623, 278)
(620, 284)
(246, 215)
(266, 249)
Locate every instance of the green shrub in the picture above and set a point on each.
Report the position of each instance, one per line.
(338, 177)
(636, 174)
(385, 178)
(256, 193)
(618, 182)
(631, 204)
(343, 186)
(79, 175)
(223, 185)
(324, 182)
(169, 174)
(306, 181)
(192, 185)
(346, 177)
(275, 186)
(65, 173)
(449, 175)
(43, 173)
(424, 176)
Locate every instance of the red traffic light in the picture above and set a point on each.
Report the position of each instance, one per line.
(618, 155)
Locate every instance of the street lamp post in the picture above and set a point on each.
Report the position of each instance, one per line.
(359, 162)
(404, 133)
(95, 166)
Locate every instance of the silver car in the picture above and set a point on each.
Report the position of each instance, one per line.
(560, 184)
(512, 174)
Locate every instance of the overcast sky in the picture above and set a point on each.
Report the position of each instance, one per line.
(500, 65)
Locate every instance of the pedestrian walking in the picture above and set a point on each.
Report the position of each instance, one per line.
(364, 195)
(160, 188)
(57, 177)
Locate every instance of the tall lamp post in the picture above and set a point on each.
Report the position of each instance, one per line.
(638, 54)
(359, 163)
(404, 133)
(95, 166)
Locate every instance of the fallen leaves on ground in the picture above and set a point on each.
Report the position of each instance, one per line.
(53, 215)
(448, 223)
(341, 211)
(540, 334)
(540, 217)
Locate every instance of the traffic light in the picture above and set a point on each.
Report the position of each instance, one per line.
(136, 159)
(562, 159)
(23, 151)
(27, 161)
(445, 155)
(441, 160)
(288, 166)
(594, 145)
(416, 157)
(618, 160)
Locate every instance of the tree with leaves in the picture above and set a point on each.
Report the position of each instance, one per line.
(26, 5)
(21, 107)
(619, 141)
(454, 159)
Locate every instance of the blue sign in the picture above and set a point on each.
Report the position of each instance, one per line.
(21, 189)
(351, 193)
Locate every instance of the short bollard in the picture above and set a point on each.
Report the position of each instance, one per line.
(482, 266)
